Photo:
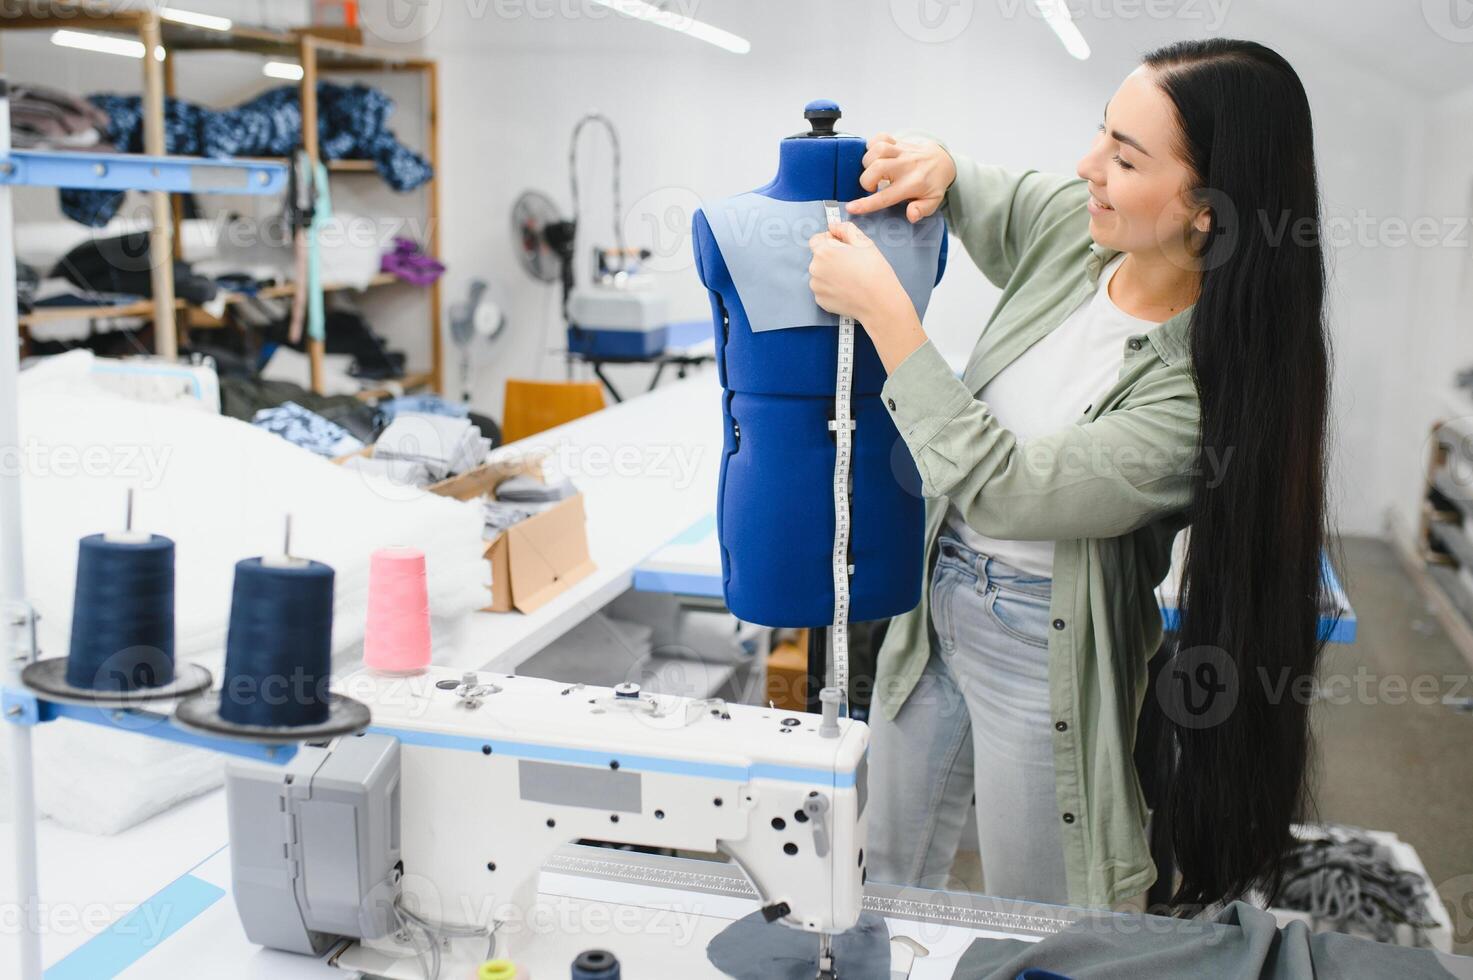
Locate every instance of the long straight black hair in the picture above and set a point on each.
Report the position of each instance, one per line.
(1253, 582)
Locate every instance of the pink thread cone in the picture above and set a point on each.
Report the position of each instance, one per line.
(397, 637)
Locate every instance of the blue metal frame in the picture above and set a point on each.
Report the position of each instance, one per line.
(136, 171)
(21, 707)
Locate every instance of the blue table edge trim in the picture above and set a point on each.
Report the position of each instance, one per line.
(1335, 629)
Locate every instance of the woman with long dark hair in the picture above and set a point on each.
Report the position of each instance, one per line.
(1158, 359)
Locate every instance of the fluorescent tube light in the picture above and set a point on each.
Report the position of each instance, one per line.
(641, 10)
(289, 70)
(102, 44)
(208, 21)
(1056, 16)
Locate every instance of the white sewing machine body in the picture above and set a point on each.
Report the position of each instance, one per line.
(496, 775)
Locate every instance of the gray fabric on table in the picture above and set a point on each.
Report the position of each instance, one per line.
(404, 472)
(1344, 877)
(1239, 942)
(752, 948)
(524, 489)
(501, 515)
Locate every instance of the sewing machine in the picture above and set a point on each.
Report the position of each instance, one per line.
(427, 832)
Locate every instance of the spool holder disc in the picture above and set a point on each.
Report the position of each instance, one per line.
(47, 680)
(202, 715)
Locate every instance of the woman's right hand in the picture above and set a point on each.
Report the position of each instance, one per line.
(918, 172)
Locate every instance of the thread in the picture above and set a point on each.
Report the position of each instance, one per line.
(396, 639)
(501, 970)
(278, 652)
(596, 964)
(122, 614)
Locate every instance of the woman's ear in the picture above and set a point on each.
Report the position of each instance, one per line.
(1202, 221)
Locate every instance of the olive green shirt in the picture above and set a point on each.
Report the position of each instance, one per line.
(1111, 491)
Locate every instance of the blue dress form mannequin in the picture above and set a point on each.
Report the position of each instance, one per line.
(775, 512)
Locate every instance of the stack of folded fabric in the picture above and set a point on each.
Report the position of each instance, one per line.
(445, 445)
(519, 498)
(48, 118)
(403, 472)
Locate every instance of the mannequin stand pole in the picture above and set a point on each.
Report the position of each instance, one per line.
(818, 667)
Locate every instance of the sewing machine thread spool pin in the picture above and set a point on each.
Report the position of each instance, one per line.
(830, 697)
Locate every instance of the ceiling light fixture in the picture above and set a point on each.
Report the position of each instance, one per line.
(1056, 15)
(102, 43)
(672, 20)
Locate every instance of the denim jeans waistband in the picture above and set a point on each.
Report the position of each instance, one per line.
(991, 570)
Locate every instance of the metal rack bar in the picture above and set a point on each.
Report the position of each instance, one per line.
(24, 708)
(140, 172)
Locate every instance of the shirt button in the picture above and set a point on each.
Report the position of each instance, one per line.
(891, 403)
(1058, 624)
(1068, 818)
(1135, 343)
(1061, 726)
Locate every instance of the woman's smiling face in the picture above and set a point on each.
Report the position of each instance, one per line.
(1138, 200)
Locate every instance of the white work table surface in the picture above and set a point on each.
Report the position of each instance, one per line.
(647, 469)
(155, 902)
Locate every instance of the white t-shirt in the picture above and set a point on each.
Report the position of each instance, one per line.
(1053, 384)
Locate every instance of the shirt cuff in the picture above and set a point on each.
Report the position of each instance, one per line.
(923, 395)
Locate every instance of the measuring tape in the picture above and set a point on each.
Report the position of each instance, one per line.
(843, 429)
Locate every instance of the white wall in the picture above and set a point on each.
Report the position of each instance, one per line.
(698, 122)
(1436, 338)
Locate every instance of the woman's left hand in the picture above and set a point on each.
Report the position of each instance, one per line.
(849, 276)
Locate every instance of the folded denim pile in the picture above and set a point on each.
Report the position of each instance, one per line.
(443, 444)
(422, 403)
(352, 123)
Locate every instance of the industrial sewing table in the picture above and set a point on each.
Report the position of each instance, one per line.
(163, 909)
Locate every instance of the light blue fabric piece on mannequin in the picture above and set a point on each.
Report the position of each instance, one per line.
(765, 244)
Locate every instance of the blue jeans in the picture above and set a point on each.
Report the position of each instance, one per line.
(977, 722)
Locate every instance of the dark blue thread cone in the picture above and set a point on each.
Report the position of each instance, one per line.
(278, 653)
(122, 615)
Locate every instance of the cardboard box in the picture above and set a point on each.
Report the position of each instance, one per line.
(537, 559)
(787, 674)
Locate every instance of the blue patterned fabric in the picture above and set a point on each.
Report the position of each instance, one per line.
(307, 429)
(352, 123)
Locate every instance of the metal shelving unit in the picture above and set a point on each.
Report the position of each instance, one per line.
(22, 709)
(1444, 557)
(317, 56)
